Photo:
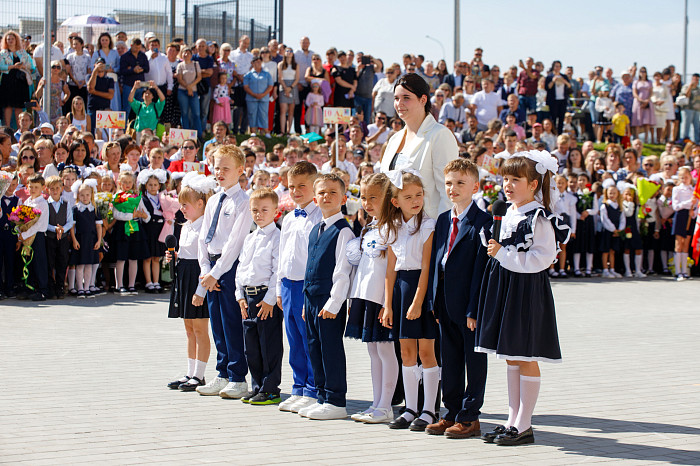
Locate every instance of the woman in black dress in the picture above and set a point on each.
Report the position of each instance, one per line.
(345, 82)
(16, 68)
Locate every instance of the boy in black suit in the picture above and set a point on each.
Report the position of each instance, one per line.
(457, 265)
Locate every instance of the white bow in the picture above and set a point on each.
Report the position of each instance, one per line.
(396, 176)
(200, 183)
(543, 159)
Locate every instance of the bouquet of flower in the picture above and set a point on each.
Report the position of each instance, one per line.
(169, 205)
(103, 201)
(24, 217)
(354, 190)
(645, 216)
(672, 265)
(286, 204)
(127, 203)
(628, 233)
(491, 192)
(585, 200)
(5, 182)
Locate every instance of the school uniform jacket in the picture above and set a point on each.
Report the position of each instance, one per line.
(464, 267)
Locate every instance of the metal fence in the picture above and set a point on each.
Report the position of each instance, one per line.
(222, 21)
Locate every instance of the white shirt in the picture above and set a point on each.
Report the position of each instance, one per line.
(682, 197)
(565, 203)
(56, 53)
(665, 211)
(189, 245)
(294, 244)
(242, 60)
(346, 165)
(371, 271)
(159, 70)
(257, 265)
(43, 223)
(303, 60)
(342, 270)
(374, 129)
(79, 67)
(408, 248)
(69, 197)
(460, 217)
(540, 254)
(233, 226)
(486, 106)
(605, 220)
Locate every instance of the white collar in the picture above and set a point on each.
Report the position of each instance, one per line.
(81, 207)
(527, 207)
(612, 204)
(197, 224)
(463, 214)
(266, 230)
(333, 218)
(310, 207)
(232, 190)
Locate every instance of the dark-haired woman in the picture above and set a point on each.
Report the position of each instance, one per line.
(345, 82)
(106, 51)
(423, 144)
(558, 89)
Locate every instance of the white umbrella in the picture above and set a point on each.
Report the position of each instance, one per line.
(89, 21)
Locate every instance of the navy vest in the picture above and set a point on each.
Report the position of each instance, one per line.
(57, 218)
(8, 203)
(613, 214)
(320, 264)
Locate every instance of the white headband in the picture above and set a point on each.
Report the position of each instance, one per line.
(396, 176)
(144, 175)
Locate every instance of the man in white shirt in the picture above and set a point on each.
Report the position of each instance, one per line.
(455, 111)
(486, 104)
(378, 131)
(56, 54)
(159, 68)
(242, 60)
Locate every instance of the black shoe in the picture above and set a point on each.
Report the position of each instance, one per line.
(11, 294)
(401, 422)
(132, 291)
(419, 425)
(2, 296)
(266, 399)
(489, 437)
(248, 396)
(38, 296)
(191, 385)
(511, 437)
(176, 383)
(73, 292)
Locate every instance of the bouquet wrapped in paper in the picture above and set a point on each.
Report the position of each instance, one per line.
(5, 182)
(24, 217)
(103, 201)
(169, 205)
(491, 191)
(127, 203)
(286, 204)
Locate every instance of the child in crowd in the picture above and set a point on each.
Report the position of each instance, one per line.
(226, 223)
(613, 224)
(151, 183)
(294, 245)
(516, 318)
(326, 285)
(457, 266)
(368, 253)
(187, 294)
(314, 107)
(684, 204)
(222, 101)
(564, 204)
(86, 237)
(408, 232)
(587, 211)
(256, 292)
(8, 240)
(620, 125)
(39, 268)
(666, 212)
(58, 236)
(633, 240)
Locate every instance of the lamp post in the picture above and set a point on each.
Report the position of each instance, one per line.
(439, 43)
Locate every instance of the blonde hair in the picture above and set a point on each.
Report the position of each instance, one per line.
(53, 180)
(189, 195)
(231, 152)
(265, 193)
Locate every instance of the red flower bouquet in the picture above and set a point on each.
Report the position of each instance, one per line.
(127, 203)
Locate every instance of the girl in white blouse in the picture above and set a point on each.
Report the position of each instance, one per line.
(684, 204)
(187, 294)
(408, 232)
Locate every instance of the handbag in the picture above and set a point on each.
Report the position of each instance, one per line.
(682, 101)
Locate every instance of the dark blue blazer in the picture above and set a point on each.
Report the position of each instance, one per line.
(464, 267)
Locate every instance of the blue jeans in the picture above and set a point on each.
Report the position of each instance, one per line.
(257, 113)
(528, 102)
(366, 104)
(189, 111)
(204, 101)
(690, 117)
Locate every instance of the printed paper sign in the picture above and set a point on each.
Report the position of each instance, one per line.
(177, 135)
(110, 120)
(193, 167)
(336, 115)
(490, 164)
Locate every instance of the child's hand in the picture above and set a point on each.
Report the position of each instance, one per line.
(387, 318)
(493, 248)
(303, 314)
(616, 233)
(244, 308)
(97, 245)
(210, 283)
(573, 235)
(169, 257)
(656, 235)
(197, 300)
(265, 310)
(76, 245)
(279, 303)
(327, 315)
(584, 215)
(471, 324)
(414, 311)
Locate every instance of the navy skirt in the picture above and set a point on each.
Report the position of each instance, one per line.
(404, 291)
(363, 322)
(668, 241)
(650, 243)
(680, 223)
(152, 230)
(608, 242)
(585, 237)
(516, 318)
(132, 247)
(185, 286)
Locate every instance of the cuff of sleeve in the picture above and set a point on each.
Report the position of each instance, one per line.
(201, 291)
(332, 306)
(500, 255)
(239, 294)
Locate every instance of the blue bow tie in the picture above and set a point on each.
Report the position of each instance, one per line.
(299, 212)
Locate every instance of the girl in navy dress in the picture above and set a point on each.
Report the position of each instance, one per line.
(684, 204)
(368, 253)
(86, 235)
(663, 204)
(587, 210)
(151, 184)
(187, 294)
(516, 318)
(633, 240)
(613, 224)
(408, 232)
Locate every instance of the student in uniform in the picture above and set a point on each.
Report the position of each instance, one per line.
(613, 223)
(516, 318)
(294, 250)
(8, 241)
(38, 267)
(564, 205)
(632, 242)
(151, 183)
(586, 210)
(58, 237)
(457, 265)
(226, 223)
(684, 204)
(326, 286)
(256, 292)
(86, 235)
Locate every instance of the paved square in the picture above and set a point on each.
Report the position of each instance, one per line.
(85, 383)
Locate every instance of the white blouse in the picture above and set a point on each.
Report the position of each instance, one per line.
(189, 246)
(408, 247)
(371, 270)
(682, 197)
(605, 220)
(565, 203)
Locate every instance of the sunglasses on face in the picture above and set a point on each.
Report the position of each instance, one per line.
(188, 147)
(56, 67)
(28, 157)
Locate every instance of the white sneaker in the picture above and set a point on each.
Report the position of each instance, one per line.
(234, 390)
(213, 387)
(639, 275)
(628, 274)
(304, 412)
(327, 412)
(553, 273)
(680, 277)
(303, 402)
(606, 274)
(615, 274)
(286, 404)
(379, 416)
(358, 416)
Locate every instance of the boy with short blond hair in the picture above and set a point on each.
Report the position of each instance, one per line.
(39, 269)
(57, 236)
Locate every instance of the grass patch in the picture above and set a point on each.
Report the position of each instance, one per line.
(649, 149)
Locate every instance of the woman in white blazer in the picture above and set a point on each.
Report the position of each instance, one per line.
(423, 144)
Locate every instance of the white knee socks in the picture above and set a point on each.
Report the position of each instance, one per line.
(133, 268)
(678, 262)
(650, 259)
(71, 278)
(376, 369)
(529, 390)
(120, 274)
(390, 372)
(664, 260)
(199, 367)
(190, 367)
(411, 376)
(95, 267)
(626, 261)
(638, 263)
(577, 261)
(431, 383)
(513, 394)
(589, 262)
(684, 262)
(79, 271)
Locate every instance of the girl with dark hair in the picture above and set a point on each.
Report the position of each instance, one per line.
(288, 75)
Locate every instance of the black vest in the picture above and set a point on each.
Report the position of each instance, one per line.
(57, 218)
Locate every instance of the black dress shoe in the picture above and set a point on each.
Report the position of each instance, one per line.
(38, 296)
(419, 425)
(401, 422)
(176, 383)
(489, 437)
(512, 437)
(191, 385)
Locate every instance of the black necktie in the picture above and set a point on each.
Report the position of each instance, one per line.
(215, 220)
(321, 229)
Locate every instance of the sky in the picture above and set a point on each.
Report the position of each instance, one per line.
(614, 33)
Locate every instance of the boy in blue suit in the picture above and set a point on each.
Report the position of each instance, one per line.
(457, 265)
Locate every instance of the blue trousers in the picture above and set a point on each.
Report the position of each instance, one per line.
(263, 347)
(227, 328)
(189, 111)
(257, 113)
(326, 350)
(302, 371)
(366, 104)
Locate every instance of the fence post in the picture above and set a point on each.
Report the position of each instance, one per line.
(186, 20)
(223, 26)
(269, 33)
(280, 31)
(195, 26)
(235, 28)
(47, 57)
(252, 32)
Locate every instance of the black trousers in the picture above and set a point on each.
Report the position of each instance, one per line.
(263, 346)
(297, 108)
(457, 353)
(38, 269)
(57, 261)
(557, 110)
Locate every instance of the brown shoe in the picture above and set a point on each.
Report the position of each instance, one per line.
(439, 427)
(464, 430)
